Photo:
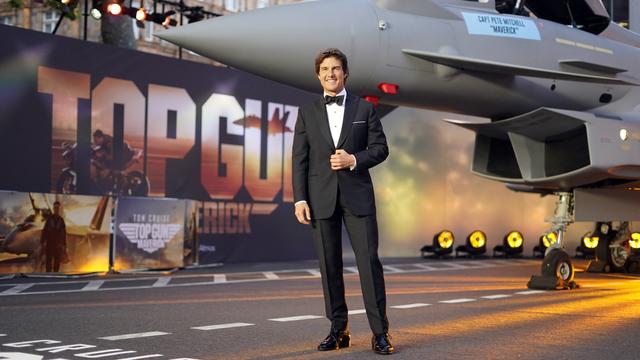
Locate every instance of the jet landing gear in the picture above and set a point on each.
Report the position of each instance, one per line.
(557, 270)
(612, 253)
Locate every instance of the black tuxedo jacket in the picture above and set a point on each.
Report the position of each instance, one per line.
(313, 179)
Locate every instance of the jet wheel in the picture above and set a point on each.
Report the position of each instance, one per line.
(557, 263)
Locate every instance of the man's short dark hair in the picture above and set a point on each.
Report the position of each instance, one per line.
(98, 133)
(332, 52)
(56, 203)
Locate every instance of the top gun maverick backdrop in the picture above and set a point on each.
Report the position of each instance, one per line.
(83, 118)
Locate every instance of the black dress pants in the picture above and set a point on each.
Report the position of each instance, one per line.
(363, 233)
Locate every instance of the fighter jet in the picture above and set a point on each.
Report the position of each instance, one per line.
(274, 127)
(557, 79)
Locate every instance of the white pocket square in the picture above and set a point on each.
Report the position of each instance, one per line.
(359, 122)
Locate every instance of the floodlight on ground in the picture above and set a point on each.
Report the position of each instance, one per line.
(634, 241)
(512, 245)
(442, 245)
(476, 244)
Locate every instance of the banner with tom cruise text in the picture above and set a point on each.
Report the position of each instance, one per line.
(149, 233)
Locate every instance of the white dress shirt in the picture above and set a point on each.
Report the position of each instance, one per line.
(335, 113)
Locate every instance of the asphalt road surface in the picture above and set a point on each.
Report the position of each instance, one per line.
(453, 309)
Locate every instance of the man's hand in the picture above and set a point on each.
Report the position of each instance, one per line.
(303, 213)
(341, 160)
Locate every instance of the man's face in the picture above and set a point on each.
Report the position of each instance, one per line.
(56, 209)
(332, 76)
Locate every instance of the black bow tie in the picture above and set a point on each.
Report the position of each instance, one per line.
(334, 99)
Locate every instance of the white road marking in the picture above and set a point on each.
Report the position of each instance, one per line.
(502, 262)
(141, 357)
(219, 278)
(392, 269)
(409, 306)
(456, 301)
(314, 272)
(161, 282)
(456, 265)
(221, 326)
(270, 275)
(16, 289)
(93, 285)
(296, 318)
(356, 312)
(480, 264)
(497, 296)
(134, 336)
(1, 335)
(425, 267)
(530, 292)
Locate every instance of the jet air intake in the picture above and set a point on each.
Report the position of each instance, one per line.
(555, 149)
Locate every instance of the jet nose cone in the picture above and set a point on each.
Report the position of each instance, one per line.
(280, 42)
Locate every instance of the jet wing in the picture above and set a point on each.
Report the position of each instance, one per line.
(494, 67)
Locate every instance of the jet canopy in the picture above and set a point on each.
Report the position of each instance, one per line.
(587, 15)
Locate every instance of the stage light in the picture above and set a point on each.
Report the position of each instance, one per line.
(96, 14)
(169, 22)
(549, 238)
(512, 244)
(66, 2)
(141, 14)
(476, 244)
(514, 239)
(442, 244)
(477, 239)
(634, 241)
(114, 8)
(445, 239)
(163, 19)
(196, 14)
(590, 242)
(96, 9)
(543, 245)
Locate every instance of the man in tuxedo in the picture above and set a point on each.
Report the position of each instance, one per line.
(337, 139)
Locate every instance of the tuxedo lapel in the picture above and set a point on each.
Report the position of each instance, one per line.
(351, 104)
(323, 122)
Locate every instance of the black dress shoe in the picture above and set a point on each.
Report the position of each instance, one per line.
(381, 344)
(335, 340)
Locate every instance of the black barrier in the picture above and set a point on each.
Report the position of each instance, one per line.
(85, 118)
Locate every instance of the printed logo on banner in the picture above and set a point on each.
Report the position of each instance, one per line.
(149, 237)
